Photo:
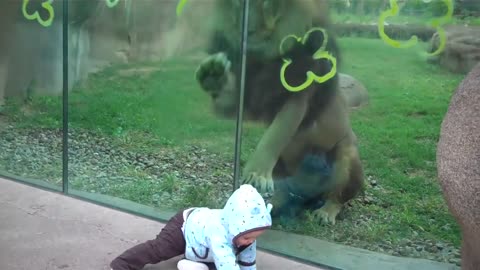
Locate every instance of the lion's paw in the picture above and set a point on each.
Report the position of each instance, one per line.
(327, 213)
(261, 181)
(212, 73)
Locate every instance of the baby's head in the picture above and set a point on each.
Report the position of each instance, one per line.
(246, 215)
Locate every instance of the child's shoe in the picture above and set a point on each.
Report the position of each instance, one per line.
(185, 264)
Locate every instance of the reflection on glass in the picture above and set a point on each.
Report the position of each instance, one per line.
(141, 128)
(352, 156)
(31, 92)
(345, 153)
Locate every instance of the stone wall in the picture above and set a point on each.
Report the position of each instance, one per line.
(31, 55)
(7, 18)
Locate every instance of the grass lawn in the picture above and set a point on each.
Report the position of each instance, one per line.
(151, 106)
(421, 19)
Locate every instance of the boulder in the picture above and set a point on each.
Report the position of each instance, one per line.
(355, 92)
(458, 164)
(462, 50)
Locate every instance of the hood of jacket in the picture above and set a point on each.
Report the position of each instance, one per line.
(245, 211)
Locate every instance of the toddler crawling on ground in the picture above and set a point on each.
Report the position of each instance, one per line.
(222, 239)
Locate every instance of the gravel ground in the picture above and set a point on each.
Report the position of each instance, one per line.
(98, 166)
(168, 176)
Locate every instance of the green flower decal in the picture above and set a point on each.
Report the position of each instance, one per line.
(392, 12)
(180, 6)
(47, 5)
(321, 53)
(111, 3)
(436, 23)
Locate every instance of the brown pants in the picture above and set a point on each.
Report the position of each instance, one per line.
(169, 243)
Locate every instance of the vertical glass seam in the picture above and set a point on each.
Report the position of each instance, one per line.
(65, 98)
(238, 129)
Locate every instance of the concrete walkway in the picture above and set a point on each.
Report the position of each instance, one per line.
(43, 230)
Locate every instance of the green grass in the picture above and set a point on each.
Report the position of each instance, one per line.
(161, 106)
(425, 19)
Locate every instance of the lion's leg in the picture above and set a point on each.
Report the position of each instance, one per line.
(216, 78)
(258, 170)
(348, 181)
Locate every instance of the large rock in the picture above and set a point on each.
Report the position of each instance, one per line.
(354, 91)
(462, 51)
(458, 161)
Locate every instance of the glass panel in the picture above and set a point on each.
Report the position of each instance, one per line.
(31, 91)
(141, 128)
(375, 123)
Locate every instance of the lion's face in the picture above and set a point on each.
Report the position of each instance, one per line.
(269, 21)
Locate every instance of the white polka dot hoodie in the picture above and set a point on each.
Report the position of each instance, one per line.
(210, 233)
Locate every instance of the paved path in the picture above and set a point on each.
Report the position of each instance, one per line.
(43, 230)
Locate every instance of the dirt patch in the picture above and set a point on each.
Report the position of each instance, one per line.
(415, 173)
(143, 71)
(3, 121)
(417, 114)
